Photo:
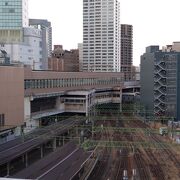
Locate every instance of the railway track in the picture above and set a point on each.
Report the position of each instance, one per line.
(141, 166)
(134, 162)
(101, 169)
(155, 166)
(124, 164)
(98, 172)
(122, 169)
(168, 153)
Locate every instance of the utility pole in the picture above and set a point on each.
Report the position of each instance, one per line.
(22, 133)
(120, 103)
(92, 120)
(172, 128)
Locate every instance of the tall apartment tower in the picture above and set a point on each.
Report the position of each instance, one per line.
(13, 17)
(126, 50)
(101, 36)
(46, 29)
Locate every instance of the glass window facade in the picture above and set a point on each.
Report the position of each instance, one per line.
(11, 14)
(71, 82)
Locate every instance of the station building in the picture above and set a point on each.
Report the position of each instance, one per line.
(29, 96)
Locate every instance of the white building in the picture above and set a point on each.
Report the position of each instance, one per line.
(101, 35)
(22, 44)
(46, 29)
(80, 47)
(26, 52)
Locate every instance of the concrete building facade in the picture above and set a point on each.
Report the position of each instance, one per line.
(14, 16)
(29, 97)
(63, 60)
(101, 36)
(28, 51)
(160, 81)
(136, 73)
(22, 43)
(12, 99)
(46, 43)
(127, 51)
(50, 93)
(80, 48)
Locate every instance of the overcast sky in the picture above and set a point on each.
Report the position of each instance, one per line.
(155, 22)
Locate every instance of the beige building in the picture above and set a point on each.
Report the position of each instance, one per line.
(30, 97)
(49, 93)
(11, 97)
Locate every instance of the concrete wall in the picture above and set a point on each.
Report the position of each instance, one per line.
(46, 29)
(63, 60)
(27, 108)
(29, 51)
(60, 103)
(178, 89)
(126, 50)
(12, 95)
(147, 81)
(33, 37)
(80, 47)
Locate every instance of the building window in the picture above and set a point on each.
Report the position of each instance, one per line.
(27, 84)
(2, 120)
(11, 10)
(71, 82)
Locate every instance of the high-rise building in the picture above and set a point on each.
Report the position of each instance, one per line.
(126, 50)
(14, 16)
(46, 43)
(160, 81)
(101, 36)
(22, 43)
